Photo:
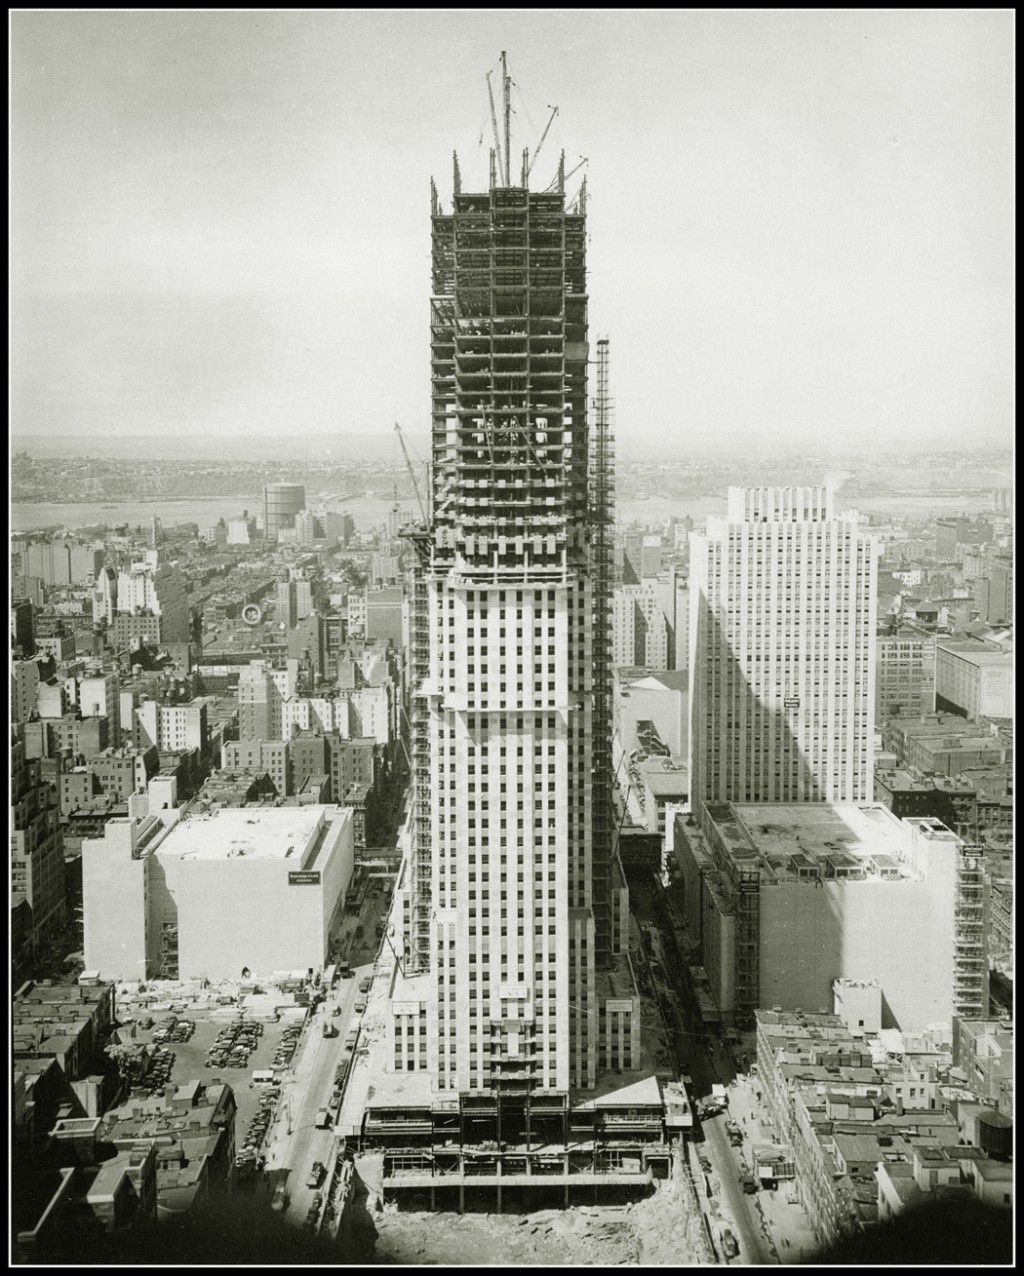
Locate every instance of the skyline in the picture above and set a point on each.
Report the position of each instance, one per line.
(216, 221)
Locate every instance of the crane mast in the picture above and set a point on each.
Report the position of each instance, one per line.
(505, 83)
(494, 126)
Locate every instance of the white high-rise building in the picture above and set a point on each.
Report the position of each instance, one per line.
(509, 1008)
(514, 901)
(782, 635)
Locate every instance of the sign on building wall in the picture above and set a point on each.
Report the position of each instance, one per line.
(619, 1007)
(306, 878)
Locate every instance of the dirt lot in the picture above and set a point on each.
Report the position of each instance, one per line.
(658, 1231)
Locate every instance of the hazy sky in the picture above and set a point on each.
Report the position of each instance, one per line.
(801, 223)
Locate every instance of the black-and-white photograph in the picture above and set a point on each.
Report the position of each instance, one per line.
(512, 665)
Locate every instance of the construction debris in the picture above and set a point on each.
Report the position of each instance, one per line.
(662, 1230)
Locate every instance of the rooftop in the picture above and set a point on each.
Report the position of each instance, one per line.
(665, 776)
(946, 724)
(846, 837)
(658, 680)
(976, 654)
(264, 833)
(643, 1092)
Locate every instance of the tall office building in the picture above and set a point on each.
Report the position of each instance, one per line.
(782, 634)
(281, 503)
(513, 902)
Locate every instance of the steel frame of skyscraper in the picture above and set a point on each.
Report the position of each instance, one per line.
(509, 903)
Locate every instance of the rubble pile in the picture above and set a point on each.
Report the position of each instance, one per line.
(669, 1228)
(661, 1230)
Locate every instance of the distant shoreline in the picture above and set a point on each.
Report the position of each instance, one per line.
(374, 511)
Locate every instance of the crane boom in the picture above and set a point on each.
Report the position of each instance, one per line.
(554, 112)
(575, 169)
(412, 472)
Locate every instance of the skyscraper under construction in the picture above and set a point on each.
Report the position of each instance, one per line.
(509, 1059)
(512, 895)
(513, 991)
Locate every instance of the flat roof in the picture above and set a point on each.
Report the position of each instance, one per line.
(108, 1177)
(942, 724)
(904, 781)
(643, 1092)
(976, 655)
(667, 776)
(251, 832)
(846, 833)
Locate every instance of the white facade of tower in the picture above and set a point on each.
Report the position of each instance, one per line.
(782, 635)
(507, 744)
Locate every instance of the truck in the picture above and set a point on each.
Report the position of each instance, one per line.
(329, 1029)
(364, 983)
(322, 1120)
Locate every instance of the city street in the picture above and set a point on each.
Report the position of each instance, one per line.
(769, 1226)
(294, 1142)
(739, 1209)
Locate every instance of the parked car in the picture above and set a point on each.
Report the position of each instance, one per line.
(729, 1245)
(316, 1174)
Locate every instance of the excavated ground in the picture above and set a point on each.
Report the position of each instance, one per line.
(665, 1229)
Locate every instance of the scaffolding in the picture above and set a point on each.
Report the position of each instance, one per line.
(417, 939)
(601, 522)
(970, 956)
(169, 950)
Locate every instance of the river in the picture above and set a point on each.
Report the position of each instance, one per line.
(371, 510)
(368, 511)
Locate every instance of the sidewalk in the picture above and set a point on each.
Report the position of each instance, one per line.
(786, 1221)
(278, 1143)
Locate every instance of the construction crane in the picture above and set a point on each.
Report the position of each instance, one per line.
(561, 177)
(554, 112)
(412, 472)
(505, 85)
(494, 125)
